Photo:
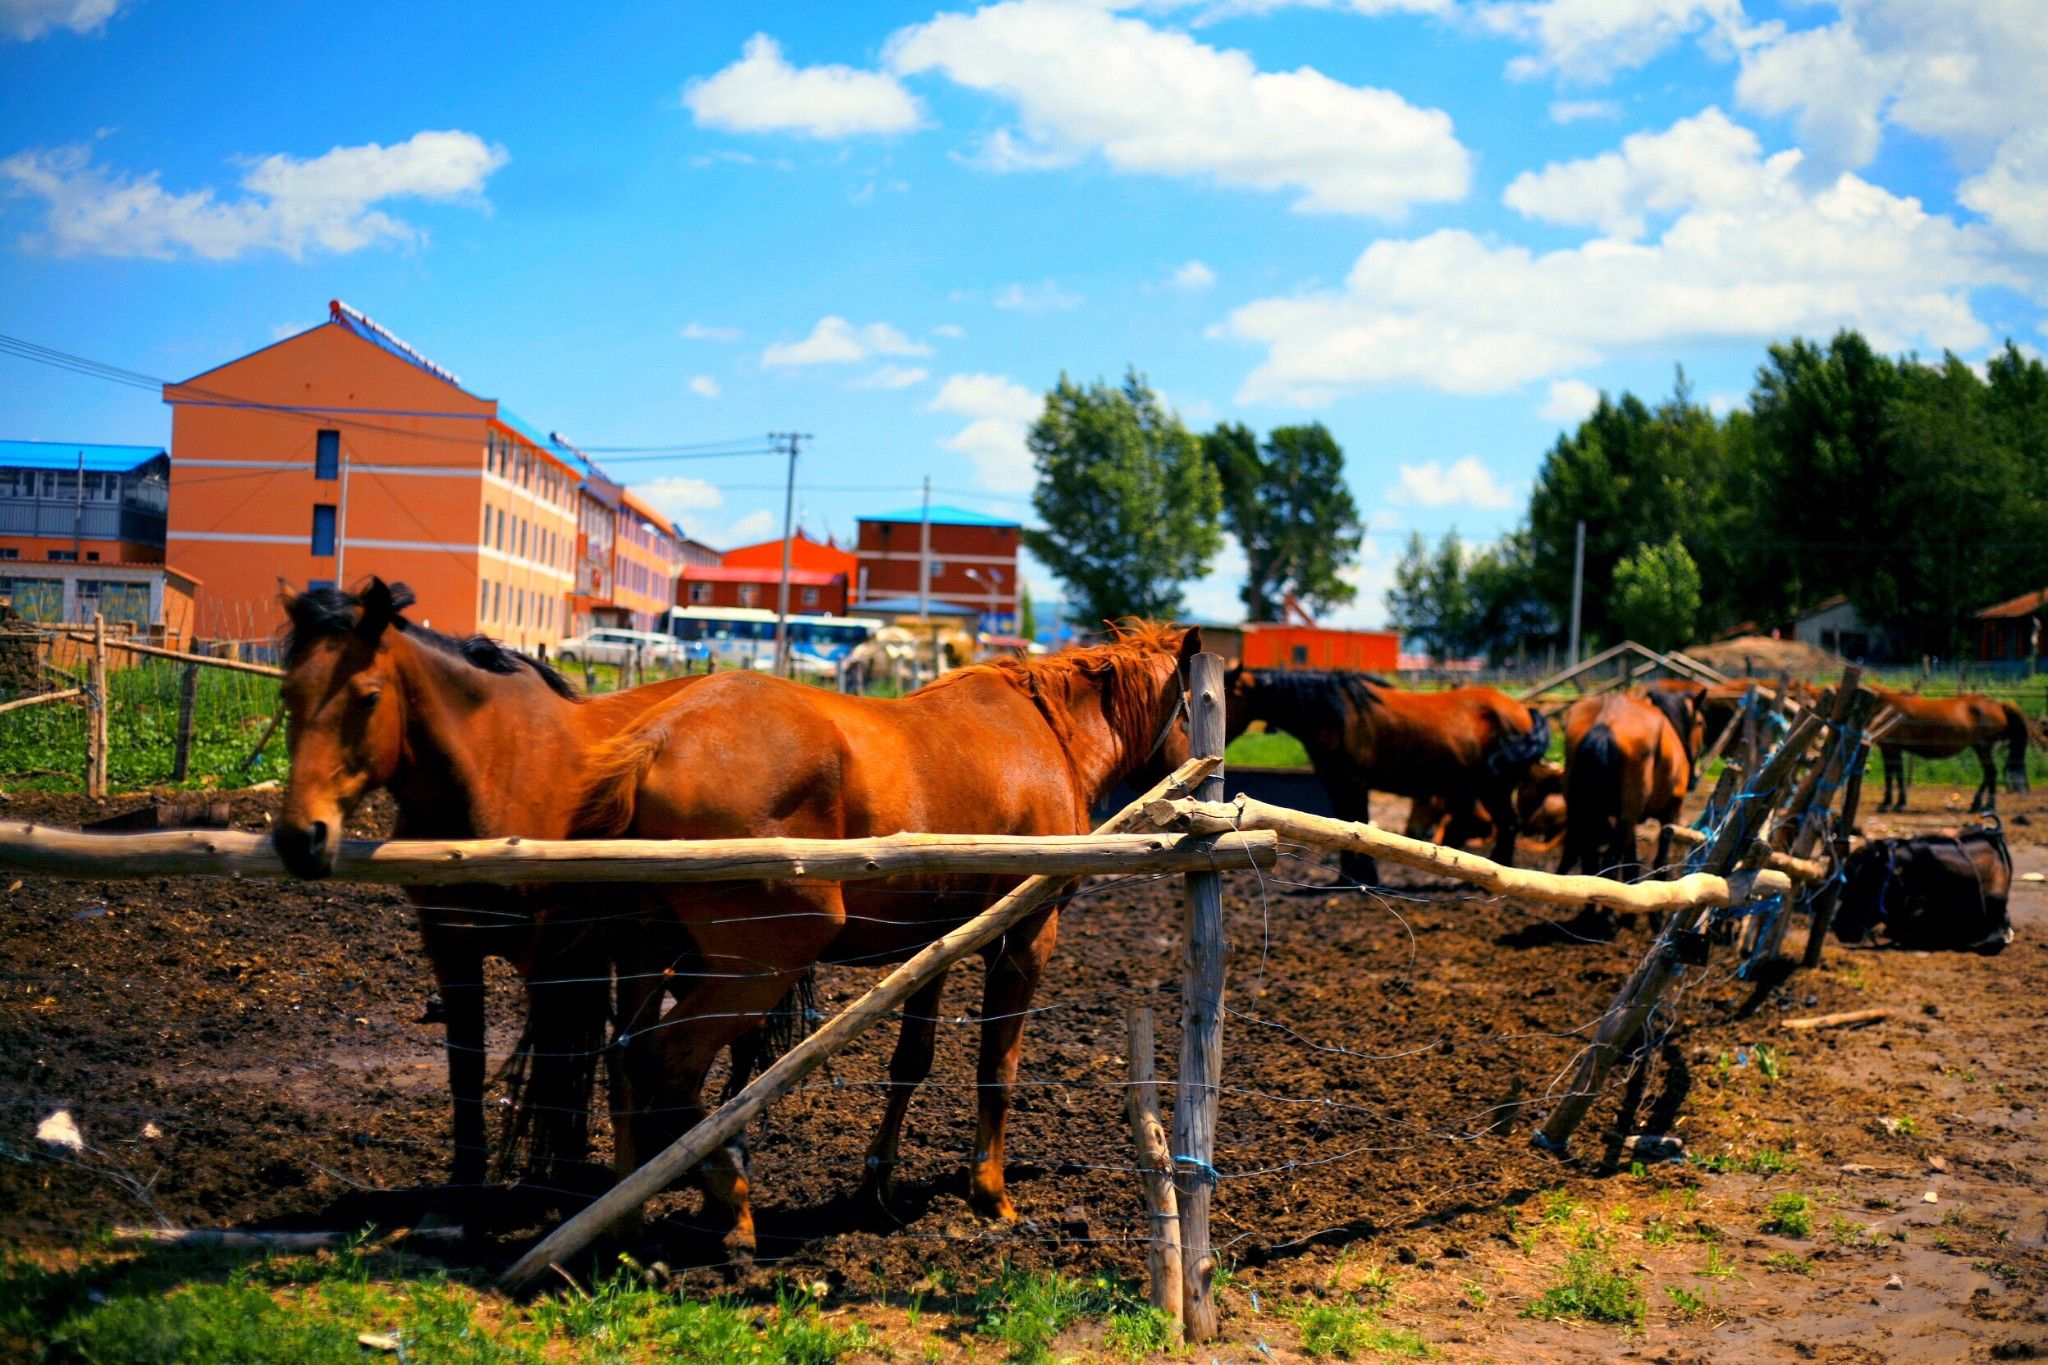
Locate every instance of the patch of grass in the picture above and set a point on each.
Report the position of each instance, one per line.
(1658, 1233)
(1595, 1289)
(1769, 1062)
(1718, 1266)
(1764, 1161)
(1791, 1262)
(1684, 1303)
(1139, 1333)
(1026, 1310)
(1476, 1297)
(1900, 1126)
(1272, 749)
(1349, 1330)
(1789, 1214)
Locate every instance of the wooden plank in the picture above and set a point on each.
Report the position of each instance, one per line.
(188, 707)
(431, 862)
(1201, 1027)
(880, 1004)
(96, 711)
(1846, 1019)
(19, 702)
(158, 652)
(1689, 892)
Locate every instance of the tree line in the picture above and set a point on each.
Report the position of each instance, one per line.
(1916, 489)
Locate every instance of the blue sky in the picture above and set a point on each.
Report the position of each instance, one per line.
(1438, 226)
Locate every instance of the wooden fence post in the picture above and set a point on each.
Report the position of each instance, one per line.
(96, 712)
(1624, 1018)
(1155, 1167)
(1852, 796)
(1201, 1022)
(188, 705)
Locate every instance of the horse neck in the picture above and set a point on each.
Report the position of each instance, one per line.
(1098, 755)
(479, 748)
(1308, 722)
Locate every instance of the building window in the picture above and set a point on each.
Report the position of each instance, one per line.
(700, 594)
(93, 556)
(497, 601)
(323, 528)
(750, 594)
(1300, 656)
(483, 600)
(810, 597)
(9, 552)
(64, 556)
(327, 455)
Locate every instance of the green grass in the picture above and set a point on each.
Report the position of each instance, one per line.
(1350, 1331)
(1024, 1311)
(1789, 1214)
(1271, 749)
(1595, 1289)
(1763, 1161)
(44, 746)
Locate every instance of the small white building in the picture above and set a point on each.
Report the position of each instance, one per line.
(1835, 626)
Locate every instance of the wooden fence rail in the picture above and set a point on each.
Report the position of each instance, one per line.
(159, 652)
(426, 862)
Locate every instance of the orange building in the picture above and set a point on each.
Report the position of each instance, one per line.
(342, 452)
(1279, 645)
(820, 578)
(970, 562)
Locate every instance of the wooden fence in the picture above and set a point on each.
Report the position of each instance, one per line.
(1181, 826)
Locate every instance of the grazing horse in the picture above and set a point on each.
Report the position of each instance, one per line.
(1539, 801)
(1685, 706)
(1010, 747)
(474, 741)
(1470, 744)
(1623, 759)
(1940, 727)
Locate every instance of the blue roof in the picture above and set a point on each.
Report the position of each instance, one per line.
(941, 516)
(356, 321)
(99, 459)
(907, 606)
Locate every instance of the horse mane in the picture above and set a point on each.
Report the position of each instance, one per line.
(329, 613)
(1120, 670)
(1324, 695)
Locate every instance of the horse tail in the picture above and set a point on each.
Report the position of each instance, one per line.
(552, 1073)
(612, 789)
(2016, 739)
(1592, 783)
(1513, 755)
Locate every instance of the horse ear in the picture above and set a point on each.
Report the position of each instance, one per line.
(381, 604)
(1190, 643)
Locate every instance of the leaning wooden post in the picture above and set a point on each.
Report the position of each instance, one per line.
(96, 711)
(1155, 1167)
(1852, 796)
(1806, 814)
(188, 705)
(1201, 1025)
(1624, 1018)
(723, 1123)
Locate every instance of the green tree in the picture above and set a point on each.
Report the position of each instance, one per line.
(1130, 504)
(1656, 596)
(1289, 507)
(1430, 601)
(1027, 614)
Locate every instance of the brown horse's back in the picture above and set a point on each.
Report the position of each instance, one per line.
(1623, 761)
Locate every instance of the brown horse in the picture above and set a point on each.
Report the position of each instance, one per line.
(1539, 801)
(1941, 727)
(1623, 760)
(1685, 706)
(1470, 744)
(473, 741)
(1012, 747)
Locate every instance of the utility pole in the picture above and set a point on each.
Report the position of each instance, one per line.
(341, 526)
(1578, 587)
(791, 440)
(924, 576)
(78, 514)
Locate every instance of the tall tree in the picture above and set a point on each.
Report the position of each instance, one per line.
(1289, 507)
(1130, 504)
(1430, 601)
(1656, 596)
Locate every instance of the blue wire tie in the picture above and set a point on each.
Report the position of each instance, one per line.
(1208, 1172)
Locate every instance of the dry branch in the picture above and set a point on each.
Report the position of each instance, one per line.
(1798, 869)
(157, 651)
(66, 695)
(1155, 1167)
(439, 862)
(723, 1123)
(1696, 890)
(1846, 1019)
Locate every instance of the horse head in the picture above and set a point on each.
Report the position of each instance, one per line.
(344, 713)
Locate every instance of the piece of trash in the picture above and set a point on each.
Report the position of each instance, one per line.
(1930, 1198)
(61, 1130)
(1855, 1168)
(90, 912)
(15, 885)
(151, 1131)
(361, 1020)
(378, 1341)
(2024, 876)
(1938, 1163)
(1895, 1283)
(1648, 1147)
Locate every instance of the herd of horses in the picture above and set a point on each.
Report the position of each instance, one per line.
(473, 740)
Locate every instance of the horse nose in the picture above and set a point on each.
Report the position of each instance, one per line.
(305, 850)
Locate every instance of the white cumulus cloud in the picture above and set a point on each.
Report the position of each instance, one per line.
(704, 386)
(2012, 193)
(1569, 400)
(290, 205)
(28, 20)
(1467, 483)
(835, 341)
(1149, 100)
(1046, 296)
(1002, 414)
(892, 377)
(1749, 251)
(763, 93)
(1591, 40)
(698, 331)
(1193, 277)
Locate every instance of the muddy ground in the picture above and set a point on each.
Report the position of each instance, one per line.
(248, 1054)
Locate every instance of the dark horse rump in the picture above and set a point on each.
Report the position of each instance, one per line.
(1932, 891)
(1512, 756)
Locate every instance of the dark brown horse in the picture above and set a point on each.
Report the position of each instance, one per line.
(1013, 747)
(473, 741)
(1539, 801)
(1685, 706)
(1469, 744)
(1623, 760)
(1941, 727)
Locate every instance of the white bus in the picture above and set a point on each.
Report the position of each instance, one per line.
(744, 637)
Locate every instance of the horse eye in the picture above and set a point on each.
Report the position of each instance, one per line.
(370, 695)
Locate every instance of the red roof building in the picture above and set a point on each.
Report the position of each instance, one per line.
(818, 556)
(812, 592)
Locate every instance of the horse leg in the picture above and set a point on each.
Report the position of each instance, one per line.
(908, 1066)
(1354, 803)
(1499, 803)
(459, 977)
(1013, 972)
(1987, 791)
(1889, 755)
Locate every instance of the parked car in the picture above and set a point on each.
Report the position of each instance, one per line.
(616, 645)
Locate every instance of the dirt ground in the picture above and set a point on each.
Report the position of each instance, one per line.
(254, 1054)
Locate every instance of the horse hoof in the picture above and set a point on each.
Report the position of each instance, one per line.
(994, 1206)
